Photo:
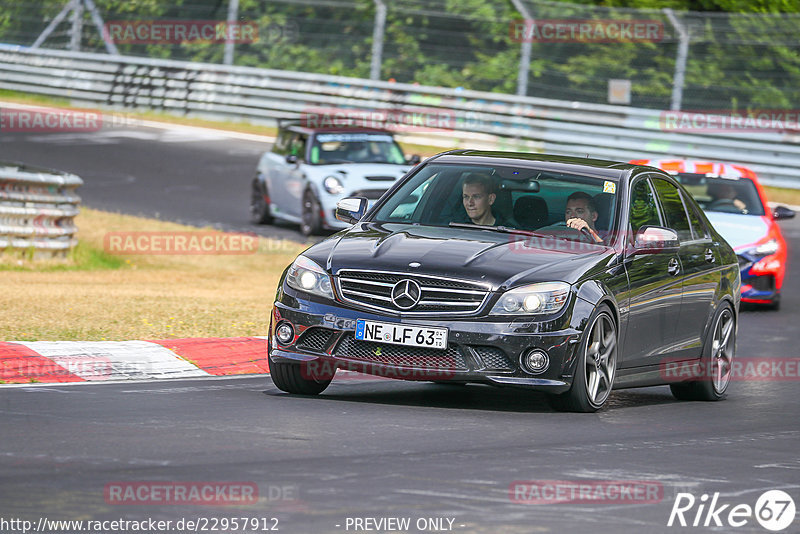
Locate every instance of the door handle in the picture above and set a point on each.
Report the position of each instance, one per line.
(673, 267)
(709, 256)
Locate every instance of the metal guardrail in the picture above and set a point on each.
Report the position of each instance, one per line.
(37, 210)
(481, 120)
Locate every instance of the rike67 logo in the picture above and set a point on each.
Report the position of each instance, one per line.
(774, 510)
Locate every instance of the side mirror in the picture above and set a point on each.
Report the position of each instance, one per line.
(351, 209)
(413, 160)
(782, 212)
(653, 239)
(291, 159)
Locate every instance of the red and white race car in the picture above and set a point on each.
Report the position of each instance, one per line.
(736, 205)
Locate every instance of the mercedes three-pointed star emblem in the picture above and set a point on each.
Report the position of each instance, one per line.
(406, 294)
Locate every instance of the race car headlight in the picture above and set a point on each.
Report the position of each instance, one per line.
(305, 275)
(548, 297)
(333, 185)
(765, 249)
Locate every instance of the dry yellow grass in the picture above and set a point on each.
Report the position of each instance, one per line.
(139, 296)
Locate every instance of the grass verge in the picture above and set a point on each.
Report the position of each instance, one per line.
(94, 295)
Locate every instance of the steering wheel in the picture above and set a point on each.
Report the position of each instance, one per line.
(584, 233)
(725, 205)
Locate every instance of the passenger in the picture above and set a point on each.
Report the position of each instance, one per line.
(478, 196)
(581, 213)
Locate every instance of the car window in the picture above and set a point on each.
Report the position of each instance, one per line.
(330, 148)
(405, 209)
(297, 146)
(727, 195)
(673, 208)
(644, 210)
(520, 198)
(281, 145)
(699, 230)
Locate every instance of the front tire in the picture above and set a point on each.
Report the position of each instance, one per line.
(311, 221)
(715, 363)
(596, 367)
(290, 377)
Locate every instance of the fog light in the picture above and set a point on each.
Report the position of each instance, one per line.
(535, 361)
(284, 333)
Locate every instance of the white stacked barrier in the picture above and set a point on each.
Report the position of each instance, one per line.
(37, 210)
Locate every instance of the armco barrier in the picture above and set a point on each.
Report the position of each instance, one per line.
(37, 210)
(481, 119)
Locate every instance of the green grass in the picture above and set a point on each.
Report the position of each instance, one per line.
(783, 195)
(84, 257)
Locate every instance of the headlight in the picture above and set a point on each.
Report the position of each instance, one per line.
(305, 275)
(548, 297)
(333, 185)
(765, 249)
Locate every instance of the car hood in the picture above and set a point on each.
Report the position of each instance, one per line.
(738, 229)
(496, 258)
(360, 170)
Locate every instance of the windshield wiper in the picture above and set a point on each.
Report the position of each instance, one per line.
(502, 229)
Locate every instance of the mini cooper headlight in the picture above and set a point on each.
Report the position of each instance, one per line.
(333, 185)
(305, 275)
(547, 297)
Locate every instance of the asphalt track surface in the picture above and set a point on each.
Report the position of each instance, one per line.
(370, 448)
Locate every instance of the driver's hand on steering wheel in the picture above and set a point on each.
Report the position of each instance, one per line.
(576, 223)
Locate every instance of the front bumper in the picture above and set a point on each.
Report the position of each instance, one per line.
(479, 350)
(759, 286)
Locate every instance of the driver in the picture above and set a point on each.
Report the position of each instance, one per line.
(478, 196)
(723, 194)
(581, 214)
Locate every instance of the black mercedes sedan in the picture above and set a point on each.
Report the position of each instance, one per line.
(567, 275)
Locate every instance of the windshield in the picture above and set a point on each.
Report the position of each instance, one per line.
(727, 195)
(504, 198)
(355, 148)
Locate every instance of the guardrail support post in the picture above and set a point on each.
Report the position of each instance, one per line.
(680, 60)
(77, 26)
(233, 15)
(525, 51)
(377, 40)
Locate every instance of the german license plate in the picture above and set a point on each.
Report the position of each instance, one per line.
(401, 334)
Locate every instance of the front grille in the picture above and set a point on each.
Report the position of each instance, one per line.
(315, 339)
(493, 358)
(762, 283)
(369, 194)
(438, 295)
(449, 359)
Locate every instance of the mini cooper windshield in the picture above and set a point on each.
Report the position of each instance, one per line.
(331, 148)
(506, 199)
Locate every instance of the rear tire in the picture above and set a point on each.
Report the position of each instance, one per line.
(715, 363)
(259, 206)
(596, 367)
(311, 221)
(289, 377)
